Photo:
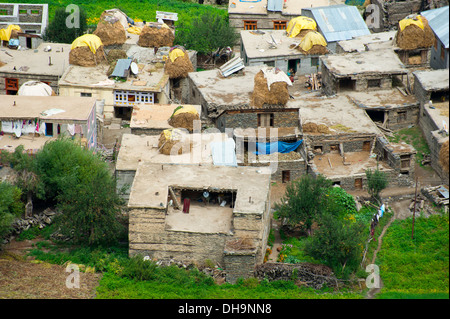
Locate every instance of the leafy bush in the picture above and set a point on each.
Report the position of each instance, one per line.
(376, 182)
(11, 206)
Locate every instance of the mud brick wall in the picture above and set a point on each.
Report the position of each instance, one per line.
(350, 143)
(402, 117)
(148, 237)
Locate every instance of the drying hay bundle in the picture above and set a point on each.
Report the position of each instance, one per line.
(176, 139)
(178, 64)
(315, 50)
(443, 156)
(110, 31)
(87, 50)
(277, 95)
(184, 117)
(412, 36)
(311, 127)
(155, 36)
(83, 56)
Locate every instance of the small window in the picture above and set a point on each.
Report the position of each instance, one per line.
(314, 61)
(35, 11)
(84, 94)
(265, 120)
(401, 117)
(279, 25)
(3, 12)
(250, 25)
(11, 86)
(374, 83)
(23, 11)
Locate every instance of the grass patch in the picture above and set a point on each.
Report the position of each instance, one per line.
(414, 137)
(419, 267)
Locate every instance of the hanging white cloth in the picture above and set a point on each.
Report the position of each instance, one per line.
(17, 128)
(7, 127)
(71, 129)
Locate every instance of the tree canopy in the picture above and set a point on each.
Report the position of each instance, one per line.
(209, 32)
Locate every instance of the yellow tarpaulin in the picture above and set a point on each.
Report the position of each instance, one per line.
(406, 22)
(298, 24)
(5, 34)
(312, 38)
(186, 109)
(90, 40)
(172, 134)
(175, 53)
(134, 30)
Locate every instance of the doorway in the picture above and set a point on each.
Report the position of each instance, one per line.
(358, 183)
(293, 64)
(286, 176)
(48, 129)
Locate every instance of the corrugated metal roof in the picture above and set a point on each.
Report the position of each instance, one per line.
(339, 22)
(121, 69)
(438, 20)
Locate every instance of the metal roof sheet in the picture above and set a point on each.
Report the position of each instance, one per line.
(339, 22)
(122, 67)
(438, 19)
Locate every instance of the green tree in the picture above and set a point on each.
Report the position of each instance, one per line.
(304, 201)
(62, 32)
(206, 34)
(337, 243)
(84, 190)
(376, 182)
(11, 206)
(26, 178)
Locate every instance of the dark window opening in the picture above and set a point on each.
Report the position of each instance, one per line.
(439, 96)
(374, 83)
(205, 197)
(318, 149)
(286, 176)
(334, 148)
(265, 120)
(347, 84)
(337, 183)
(376, 116)
(48, 129)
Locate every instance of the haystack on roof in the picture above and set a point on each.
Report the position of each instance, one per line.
(414, 32)
(156, 35)
(176, 139)
(87, 50)
(178, 64)
(271, 87)
(299, 24)
(184, 117)
(110, 29)
(313, 43)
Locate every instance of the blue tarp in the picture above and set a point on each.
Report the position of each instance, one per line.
(280, 147)
(224, 153)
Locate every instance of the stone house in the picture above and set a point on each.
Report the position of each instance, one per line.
(169, 218)
(259, 49)
(337, 22)
(39, 64)
(362, 71)
(233, 114)
(431, 88)
(150, 86)
(343, 141)
(267, 14)
(33, 120)
(139, 148)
